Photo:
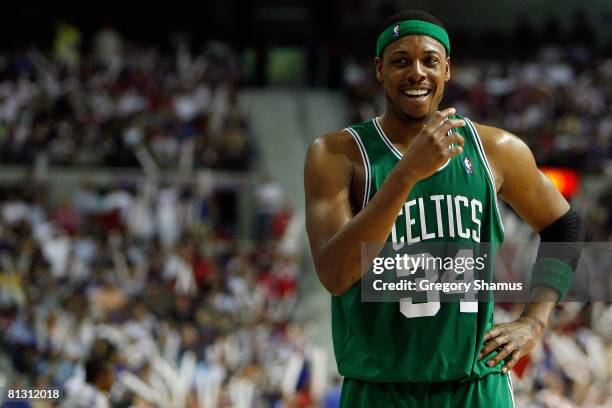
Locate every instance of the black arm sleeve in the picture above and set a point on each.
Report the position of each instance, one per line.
(559, 252)
(569, 232)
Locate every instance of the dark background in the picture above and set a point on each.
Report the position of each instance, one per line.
(326, 31)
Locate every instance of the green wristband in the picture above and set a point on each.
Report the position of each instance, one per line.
(553, 273)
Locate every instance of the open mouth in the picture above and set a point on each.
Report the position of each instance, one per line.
(416, 93)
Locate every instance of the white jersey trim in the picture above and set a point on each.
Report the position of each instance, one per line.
(385, 139)
(366, 165)
(485, 162)
(511, 389)
(392, 147)
(482, 152)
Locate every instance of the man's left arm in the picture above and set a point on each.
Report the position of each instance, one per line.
(537, 201)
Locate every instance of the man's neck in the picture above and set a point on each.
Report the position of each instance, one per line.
(399, 130)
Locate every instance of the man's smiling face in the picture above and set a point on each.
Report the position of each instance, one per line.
(413, 71)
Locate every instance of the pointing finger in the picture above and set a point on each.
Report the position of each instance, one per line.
(441, 116)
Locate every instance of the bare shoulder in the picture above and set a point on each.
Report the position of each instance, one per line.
(339, 145)
(506, 152)
(503, 148)
(499, 142)
(334, 164)
(335, 153)
(522, 185)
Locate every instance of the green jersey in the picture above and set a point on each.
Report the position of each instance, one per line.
(421, 342)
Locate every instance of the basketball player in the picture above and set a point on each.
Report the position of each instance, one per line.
(417, 173)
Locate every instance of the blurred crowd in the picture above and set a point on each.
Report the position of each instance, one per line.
(145, 293)
(92, 106)
(558, 103)
(572, 366)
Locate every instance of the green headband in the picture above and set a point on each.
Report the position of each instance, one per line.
(413, 27)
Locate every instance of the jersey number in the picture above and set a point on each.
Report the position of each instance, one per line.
(432, 306)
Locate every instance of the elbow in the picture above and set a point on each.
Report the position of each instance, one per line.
(337, 276)
(336, 290)
(332, 281)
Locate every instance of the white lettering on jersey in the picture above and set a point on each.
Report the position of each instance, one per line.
(397, 244)
(476, 231)
(466, 228)
(461, 199)
(424, 234)
(409, 223)
(436, 199)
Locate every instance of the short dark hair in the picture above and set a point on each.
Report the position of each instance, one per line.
(413, 14)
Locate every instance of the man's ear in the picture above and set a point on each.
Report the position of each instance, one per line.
(378, 63)
(447, 73)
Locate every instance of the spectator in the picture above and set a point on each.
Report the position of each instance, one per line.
(95, 108)
(92, 393)
(269, 201)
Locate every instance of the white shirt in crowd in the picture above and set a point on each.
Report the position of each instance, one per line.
(80, 394)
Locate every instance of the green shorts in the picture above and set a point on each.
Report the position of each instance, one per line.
(494, 390)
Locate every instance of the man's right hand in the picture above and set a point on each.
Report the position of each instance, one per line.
(336, 227)
(430, 149)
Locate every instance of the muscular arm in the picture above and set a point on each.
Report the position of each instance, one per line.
(336, 235)
(536, 200)
(527, 190)
(520, 183)
(334, 232)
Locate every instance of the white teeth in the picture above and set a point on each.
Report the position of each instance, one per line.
(416, 92)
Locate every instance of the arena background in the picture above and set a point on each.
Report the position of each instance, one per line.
(151, 199)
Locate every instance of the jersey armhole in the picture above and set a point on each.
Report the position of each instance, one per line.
(366, 165)
(485, 162)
